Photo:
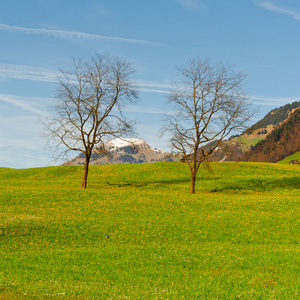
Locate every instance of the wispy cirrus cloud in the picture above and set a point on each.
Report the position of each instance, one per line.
(45, 75)
(42, 74)
(27, 73)
(268, 5)
(264, 100)
(192, 4)
(144, 109)
(153, 87)
(152, 90)
(155, 84)
(71, 34)
(35, 105)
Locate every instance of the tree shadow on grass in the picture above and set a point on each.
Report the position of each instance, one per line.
(148, 183)
(240, 185)
(260, 185)
(160, 182)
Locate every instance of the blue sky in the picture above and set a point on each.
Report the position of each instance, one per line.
(41, 37)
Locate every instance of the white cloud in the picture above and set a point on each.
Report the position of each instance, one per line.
(34, 105)
(262, 100)
(153, 86)
(278, 9)
(156, 84)
(41, 74)
(153, 91)
(192, 4)
(27, 73)
(148, 86)
(144, 109)
(70, 34)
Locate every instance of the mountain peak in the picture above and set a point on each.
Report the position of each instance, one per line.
(125, 150)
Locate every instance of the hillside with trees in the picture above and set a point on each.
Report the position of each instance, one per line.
(239, 147)
(275, 116)
(281, 142)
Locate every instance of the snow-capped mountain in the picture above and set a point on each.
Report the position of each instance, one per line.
(120, 143)
(120, 151)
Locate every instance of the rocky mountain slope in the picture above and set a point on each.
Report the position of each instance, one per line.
(120, 151)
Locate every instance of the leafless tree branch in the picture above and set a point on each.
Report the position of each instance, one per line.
(208, 104)
(88, 107)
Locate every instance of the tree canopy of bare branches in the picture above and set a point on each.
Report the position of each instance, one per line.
(88, 107)
(207, 104)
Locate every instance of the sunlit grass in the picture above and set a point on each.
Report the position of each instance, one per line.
(244, 140)
(249, 141)
(236, 238)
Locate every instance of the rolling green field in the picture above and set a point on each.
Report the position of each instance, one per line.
(236, 238)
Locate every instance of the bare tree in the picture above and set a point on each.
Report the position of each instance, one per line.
(207, 105)
(88, 107)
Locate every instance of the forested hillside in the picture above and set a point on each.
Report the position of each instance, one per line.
(275, 116)
(239, 147)
(281, 142)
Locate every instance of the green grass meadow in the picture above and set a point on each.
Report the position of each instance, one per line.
(236, 238)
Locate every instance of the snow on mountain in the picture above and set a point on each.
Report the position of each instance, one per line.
(119, 143)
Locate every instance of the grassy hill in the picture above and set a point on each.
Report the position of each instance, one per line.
(287, 159)
(236, 238)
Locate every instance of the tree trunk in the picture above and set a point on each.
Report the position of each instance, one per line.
(85, 172)
(193, 182)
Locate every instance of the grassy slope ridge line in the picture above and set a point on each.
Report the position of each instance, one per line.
(286, 160)
(236, 238)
